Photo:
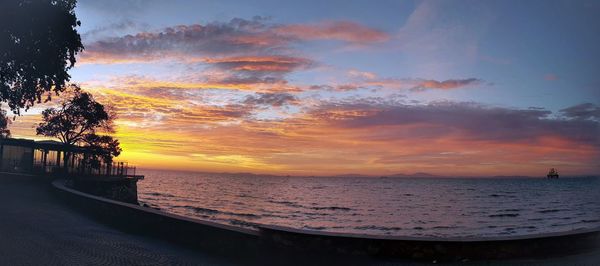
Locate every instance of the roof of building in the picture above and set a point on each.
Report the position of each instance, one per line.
(44, 145)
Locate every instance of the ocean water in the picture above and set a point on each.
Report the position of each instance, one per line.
(435, 207)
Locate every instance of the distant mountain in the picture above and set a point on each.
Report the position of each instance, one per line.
(244, 174)
(352, 175)
(412, 175)
(415, 175)
(515, 176)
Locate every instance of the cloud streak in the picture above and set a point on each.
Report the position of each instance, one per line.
(238, 37)
(347, 31)
(584, 111)
(264, 64)
(446, 84)
(213, 39)
(466, 120)
(367, 80)
(364, 135)
(271, 99)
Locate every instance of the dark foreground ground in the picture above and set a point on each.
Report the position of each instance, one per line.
(37, 228)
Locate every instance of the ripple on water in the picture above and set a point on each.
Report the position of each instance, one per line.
(403, 207)
(286, 203)
(501, 215)
(501, 196)
(590, 221)
(510, 210)
(331, 208)
(550, 211)
(377, 228)
(215, 212)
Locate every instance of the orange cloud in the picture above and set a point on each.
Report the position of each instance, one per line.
(260, 63)
(238, 37)
(370, 81)
(334, 30)
(222, 132)
(446, 84)
(204, 81)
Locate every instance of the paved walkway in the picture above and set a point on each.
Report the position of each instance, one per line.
(36, 228)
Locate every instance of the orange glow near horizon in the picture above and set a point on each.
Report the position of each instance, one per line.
(309, 146)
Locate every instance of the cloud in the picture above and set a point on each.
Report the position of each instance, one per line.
(264, 64)
(254, 70)
(362, 74)
(446, 84)
(207, 80)
(347, 31)
(236, 38)
(367, 80)
(457, 120)
(370, 135)
(271, 99)
(110, 30)
(464, 120)
(149, 110)
(582, 111)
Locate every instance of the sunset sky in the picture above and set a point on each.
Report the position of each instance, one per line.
(332, 87)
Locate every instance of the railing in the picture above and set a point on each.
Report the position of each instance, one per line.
(78, 168)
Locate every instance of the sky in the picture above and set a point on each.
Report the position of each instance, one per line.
(460, 88)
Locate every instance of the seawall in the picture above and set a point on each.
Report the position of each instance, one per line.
(236, 241)
(421, 248)
(219, 238)
(119, 189)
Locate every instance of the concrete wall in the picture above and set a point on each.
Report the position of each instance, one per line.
(538, 246)
(289, 243)
(121, 189)
(218, 238)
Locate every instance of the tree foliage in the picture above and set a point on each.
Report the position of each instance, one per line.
(4, 122)
(76, 118)
(104, 146)
(38, 45)
(79, 120)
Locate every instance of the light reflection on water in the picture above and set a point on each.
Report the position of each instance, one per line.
(380, 206)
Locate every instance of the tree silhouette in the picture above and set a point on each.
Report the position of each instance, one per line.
(76, 118)
(38, 45)
(77, 121)
(104, 147)
(4, 121)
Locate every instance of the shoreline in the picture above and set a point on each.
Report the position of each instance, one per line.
(416, 248)
(41, 226)
(391, 176)
(256, 228)
(381, 207)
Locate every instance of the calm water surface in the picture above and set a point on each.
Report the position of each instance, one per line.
(380, 206)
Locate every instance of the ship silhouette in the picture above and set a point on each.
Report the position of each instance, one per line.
(553, 173)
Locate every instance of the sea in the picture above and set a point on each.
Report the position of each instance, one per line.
(382, 206)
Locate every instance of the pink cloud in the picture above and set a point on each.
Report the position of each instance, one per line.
(334, 30)
(446, 84)
(238, 37)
